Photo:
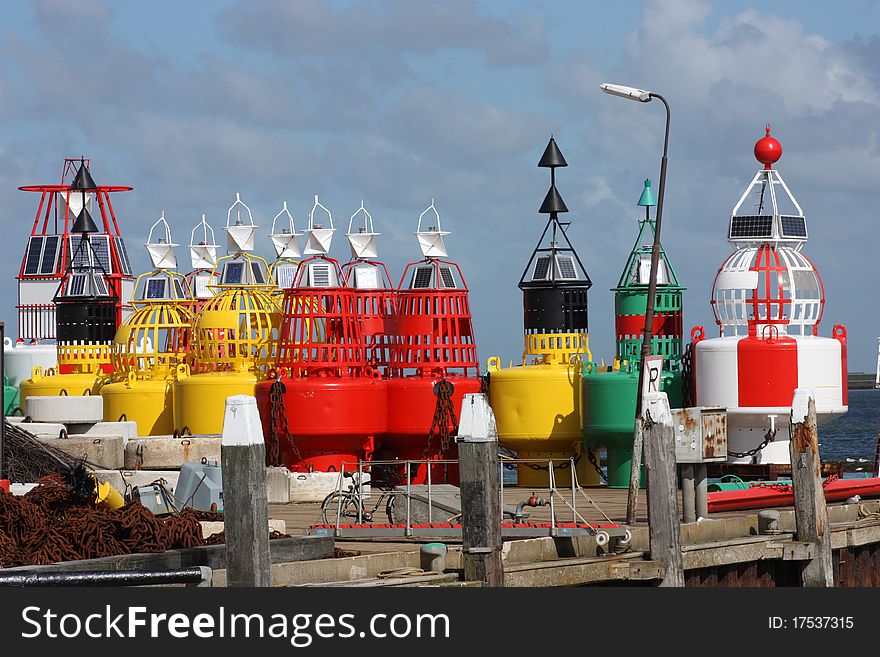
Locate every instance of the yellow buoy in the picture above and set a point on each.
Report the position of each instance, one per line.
(234, 341)
(536, 409)
(147, 350)
(536, 405)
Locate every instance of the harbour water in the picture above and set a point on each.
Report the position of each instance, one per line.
(853, 436)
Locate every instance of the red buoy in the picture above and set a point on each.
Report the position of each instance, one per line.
(768, 149)
(332, 404)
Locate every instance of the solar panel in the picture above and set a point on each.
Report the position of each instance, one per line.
(566, 268)
(101, 247)
(447, 277)
(156, 288)
(751, 226)
(366, 277)
(259, 277)
(124, 262)
(320, 275)
(100, 285)
(202, 290)
(793, 226)
(422, 278)
(178, 286)
(90, 258)
(284, 275)
(542, 267)
(49, 262)
(32, 259)
(76, 285)
(232, 273)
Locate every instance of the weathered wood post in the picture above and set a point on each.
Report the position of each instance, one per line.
(245, 506)
(480, 485)
(664, 529)
(810, 512)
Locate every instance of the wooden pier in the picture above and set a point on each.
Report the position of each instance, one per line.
(725, 550)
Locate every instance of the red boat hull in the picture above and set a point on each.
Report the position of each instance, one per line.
(767, 496)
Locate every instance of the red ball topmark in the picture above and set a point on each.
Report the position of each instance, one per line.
(767, 149)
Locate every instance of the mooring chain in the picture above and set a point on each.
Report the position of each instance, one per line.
(278, 428)
(444, 422)
(769, 437)
(687, 376)
(591, 457)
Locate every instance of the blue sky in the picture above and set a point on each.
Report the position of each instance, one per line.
(400, 101)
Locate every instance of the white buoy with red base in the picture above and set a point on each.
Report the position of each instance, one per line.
(768, 300)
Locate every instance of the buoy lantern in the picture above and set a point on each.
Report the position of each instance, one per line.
(768, 300)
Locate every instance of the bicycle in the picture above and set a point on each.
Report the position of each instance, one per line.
(347, 504)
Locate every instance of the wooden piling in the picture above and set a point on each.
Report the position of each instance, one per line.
(480, 485)
(245, 505)
(811, 514)
(664, 528)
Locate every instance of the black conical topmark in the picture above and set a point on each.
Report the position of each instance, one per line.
(552, 156)
(84, 223)
(552, 202)
(83, 181)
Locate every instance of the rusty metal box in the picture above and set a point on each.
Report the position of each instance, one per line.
(700, 434)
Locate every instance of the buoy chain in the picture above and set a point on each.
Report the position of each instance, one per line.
(278, 428)
(769, 437)
(687, 376)
(444, 422)
(592, 459)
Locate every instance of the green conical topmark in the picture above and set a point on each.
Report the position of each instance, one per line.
(647, 198)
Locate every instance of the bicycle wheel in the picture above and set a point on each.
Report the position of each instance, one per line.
(331, 506)
(389, 507)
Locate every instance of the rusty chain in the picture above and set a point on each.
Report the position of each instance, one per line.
(278, 428)
(53, 523)
(687, 376)
(444, 422)
(769, 437)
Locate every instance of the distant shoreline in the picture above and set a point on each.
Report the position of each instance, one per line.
(860, 381)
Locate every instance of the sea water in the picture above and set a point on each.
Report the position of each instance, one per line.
(854, 435)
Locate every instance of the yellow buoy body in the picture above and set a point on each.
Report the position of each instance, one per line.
(200, 400)
(147, 351)
(235, 336)
(537, 410)
(149, 402)
(50, 384)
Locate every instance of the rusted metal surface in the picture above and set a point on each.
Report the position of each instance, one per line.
(700, 434)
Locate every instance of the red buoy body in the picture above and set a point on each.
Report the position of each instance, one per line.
(434, 343)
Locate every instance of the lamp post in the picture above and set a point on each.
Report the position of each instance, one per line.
(644, 97)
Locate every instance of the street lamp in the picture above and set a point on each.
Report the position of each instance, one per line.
(644, 96)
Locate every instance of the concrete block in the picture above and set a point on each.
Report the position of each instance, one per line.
(168, 452)
(211, 527)
(65, 409)
(43, 429)
(120, 479)
(104, 451)
(14, 419)
(128, 430)
(278, 485)
(313, 486)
